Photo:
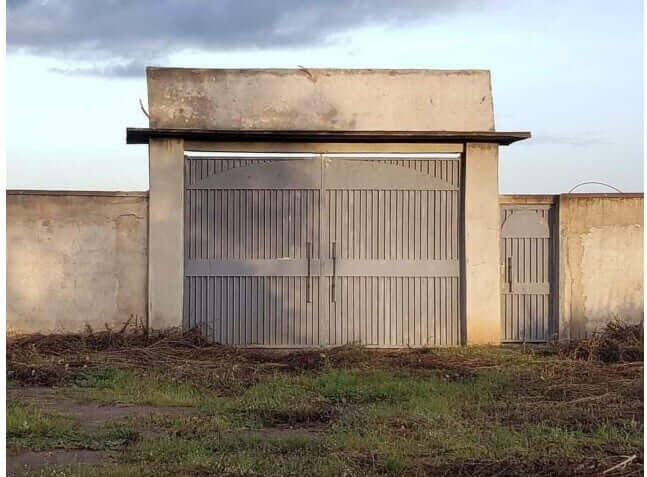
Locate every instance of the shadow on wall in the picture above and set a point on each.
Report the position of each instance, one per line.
(583, 326)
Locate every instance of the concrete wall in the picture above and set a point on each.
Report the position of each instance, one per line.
(75, 259)
(80, 258)
(320, 99)
(600, 261)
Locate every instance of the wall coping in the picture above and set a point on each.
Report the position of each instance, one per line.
(605, 195)
(91, 193)
(554, 198)
(503, 138)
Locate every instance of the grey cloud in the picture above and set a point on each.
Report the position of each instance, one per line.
(127, 33)
(131, 69)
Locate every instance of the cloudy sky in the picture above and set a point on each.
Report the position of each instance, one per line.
(570, 72)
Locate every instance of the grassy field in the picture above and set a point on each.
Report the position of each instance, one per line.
(179, 409)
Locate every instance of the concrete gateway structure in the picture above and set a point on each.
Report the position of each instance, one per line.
(321, 207)
(296, 208)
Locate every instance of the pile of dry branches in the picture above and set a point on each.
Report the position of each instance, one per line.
(48, 360)
(617, 341)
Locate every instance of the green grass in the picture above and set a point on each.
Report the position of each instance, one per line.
(35, 429)
(127, 386)
(354, 421)
(32, 428)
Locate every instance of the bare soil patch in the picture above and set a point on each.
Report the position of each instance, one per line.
(30, 460)
(90, 415)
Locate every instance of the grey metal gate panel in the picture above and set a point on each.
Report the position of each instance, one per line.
(248, 225)
(323, 250)
(393, 228)
(527, 263)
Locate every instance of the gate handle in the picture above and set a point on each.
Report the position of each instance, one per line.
(510, 274)
(334, 270)
(308, 284)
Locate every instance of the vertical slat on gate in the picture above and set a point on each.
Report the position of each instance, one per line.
(227, 331)
(236, 220)
(393, 338)
(336, 231)
(381, 324)
(399, 311)
(415, 332)
(310, 233)
(270, 299)
(430, 226)
(317, 324)
(397, 225)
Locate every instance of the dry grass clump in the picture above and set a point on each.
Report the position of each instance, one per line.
(47, 360)
(616, 342)
(574, 395)
(546, 467)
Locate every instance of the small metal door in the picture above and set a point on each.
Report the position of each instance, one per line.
(527, 264)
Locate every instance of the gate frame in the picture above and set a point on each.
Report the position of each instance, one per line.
(479, 212)
(342, 149)
(189, 147)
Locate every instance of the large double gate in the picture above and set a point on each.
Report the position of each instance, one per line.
(314, 249)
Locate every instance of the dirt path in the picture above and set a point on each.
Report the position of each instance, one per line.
(90, 415)
(32, 460)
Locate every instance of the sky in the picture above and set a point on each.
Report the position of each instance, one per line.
(569, 72)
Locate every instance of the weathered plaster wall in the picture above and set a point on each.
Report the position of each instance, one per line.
(482, 300)
(601, 261)
(320, 99)
(74, 260)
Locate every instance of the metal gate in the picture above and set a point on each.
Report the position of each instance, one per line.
(527, 262)
(309, 250)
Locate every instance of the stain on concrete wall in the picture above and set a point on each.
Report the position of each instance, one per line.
(75, 260)
(320, 99)
(601, 262)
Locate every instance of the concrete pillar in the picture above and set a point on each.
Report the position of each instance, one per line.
(166, 233)
(482, 290)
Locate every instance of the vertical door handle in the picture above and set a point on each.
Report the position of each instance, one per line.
(509, 273)
(308, 284)
(334, 270)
